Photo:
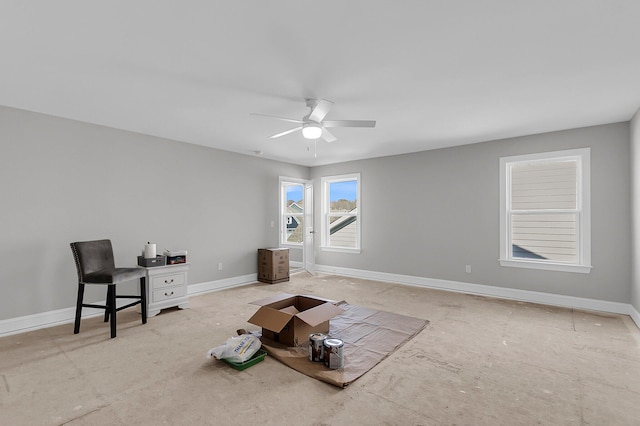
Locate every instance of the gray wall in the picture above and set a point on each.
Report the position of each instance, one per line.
(429, 214)
(426, 214)
(63, 181)
(635, 211)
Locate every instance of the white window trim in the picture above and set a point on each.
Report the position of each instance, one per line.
(326, 203)
(583, 155)
(281, 218)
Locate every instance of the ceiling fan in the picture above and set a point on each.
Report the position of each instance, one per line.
(314, 126)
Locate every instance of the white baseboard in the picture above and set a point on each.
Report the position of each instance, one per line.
(635, 316)
(36, 321)
(207, 287)
(490, 291)
(67, 315)
(45, 319)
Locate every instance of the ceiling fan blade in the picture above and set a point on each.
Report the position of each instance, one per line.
(291, 120)
(285, 133)
(321, 110)
(327, 136)
(349, 123)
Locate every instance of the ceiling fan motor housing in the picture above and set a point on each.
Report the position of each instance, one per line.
(311, 103)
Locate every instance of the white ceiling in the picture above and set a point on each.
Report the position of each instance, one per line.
(432, 73)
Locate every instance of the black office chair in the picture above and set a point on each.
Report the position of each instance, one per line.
(95, 265)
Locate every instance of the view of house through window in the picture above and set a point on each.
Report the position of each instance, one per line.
(544, 210)
(546, 213)
(341, 227)
(292, 212)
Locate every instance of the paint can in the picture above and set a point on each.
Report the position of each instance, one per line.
(333, 353)
(316, 347)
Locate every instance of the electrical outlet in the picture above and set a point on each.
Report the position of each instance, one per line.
(219, 266)
(467, 269)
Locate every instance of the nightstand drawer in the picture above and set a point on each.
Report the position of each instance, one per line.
(169, 293)
(167, 281)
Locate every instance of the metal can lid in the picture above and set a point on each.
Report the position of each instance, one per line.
(333, 342)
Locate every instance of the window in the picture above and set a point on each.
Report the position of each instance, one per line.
(341, 213)
(291, 211)
(545, 211)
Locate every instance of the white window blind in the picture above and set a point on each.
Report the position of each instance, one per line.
(545, 220)
(544, 210)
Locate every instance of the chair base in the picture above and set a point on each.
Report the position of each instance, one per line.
(110, 308)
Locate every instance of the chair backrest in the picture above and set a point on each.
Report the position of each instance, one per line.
(92, 256)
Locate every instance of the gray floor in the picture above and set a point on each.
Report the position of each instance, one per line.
(480, 361)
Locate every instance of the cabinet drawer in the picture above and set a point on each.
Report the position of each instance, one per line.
(169, 293)
(167, 281)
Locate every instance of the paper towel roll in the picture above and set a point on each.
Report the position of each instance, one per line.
(149, 251)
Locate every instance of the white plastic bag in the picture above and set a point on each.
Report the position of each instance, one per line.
(237, 349)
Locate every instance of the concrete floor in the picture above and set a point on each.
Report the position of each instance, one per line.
(480, 361)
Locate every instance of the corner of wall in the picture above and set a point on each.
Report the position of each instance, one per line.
(635, 211)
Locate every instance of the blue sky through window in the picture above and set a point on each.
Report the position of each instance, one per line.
(294, 193)
(343, 190)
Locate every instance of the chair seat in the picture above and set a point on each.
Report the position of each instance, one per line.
(113, 275)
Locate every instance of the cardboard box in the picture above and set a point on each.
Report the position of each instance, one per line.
(273, 265)
(290, 319)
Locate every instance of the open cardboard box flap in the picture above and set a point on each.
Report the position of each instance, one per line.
(278, 298)
(290, 310)
(274, 319)
(319, 314)
(290, 318)
(271, 319)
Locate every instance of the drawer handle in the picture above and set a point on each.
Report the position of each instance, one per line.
(170, 294)
(168, 282)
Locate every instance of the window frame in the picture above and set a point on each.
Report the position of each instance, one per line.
(282, 220)
(326, 181)
(583, 211)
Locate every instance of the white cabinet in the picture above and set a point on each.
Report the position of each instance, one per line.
(166, 287)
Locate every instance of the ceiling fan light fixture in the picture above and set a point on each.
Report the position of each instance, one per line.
(311, 131)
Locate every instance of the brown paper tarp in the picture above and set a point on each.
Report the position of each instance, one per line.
(369, 336)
